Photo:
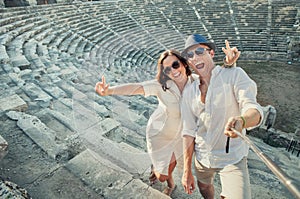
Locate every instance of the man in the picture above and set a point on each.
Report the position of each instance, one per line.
(221, 99)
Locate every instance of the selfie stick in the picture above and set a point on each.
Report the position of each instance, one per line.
(272, 166)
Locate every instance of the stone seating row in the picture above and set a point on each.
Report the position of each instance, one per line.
(23, 33)
(158, 34)
(52, 40)
(126, 29)
(190, 22)
(77, 165)
(119, 51)
(155, 15)
(100, 55)
(57, 42)
(276, 12)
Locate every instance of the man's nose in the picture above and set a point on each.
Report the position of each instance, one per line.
(195, 58)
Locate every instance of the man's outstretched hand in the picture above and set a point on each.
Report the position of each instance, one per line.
(232, 55)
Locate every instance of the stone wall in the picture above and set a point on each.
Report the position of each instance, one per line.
(19, 3)
(294, 48)
(2, 5)
(16, 3)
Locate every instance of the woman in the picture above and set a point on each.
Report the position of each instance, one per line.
(163, 133)
(163, 129)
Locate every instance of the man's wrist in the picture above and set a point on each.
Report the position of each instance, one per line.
(228, 65)
(243, 121)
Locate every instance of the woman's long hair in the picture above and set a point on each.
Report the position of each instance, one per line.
(160, 76)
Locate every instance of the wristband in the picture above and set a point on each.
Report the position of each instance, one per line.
(244, 121)
(228, 65)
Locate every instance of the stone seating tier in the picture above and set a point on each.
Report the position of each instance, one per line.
(104, 30)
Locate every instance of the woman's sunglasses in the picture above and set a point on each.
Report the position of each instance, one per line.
(167, 69)
(198, 51)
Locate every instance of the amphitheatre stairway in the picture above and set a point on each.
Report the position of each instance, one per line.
(51, 56)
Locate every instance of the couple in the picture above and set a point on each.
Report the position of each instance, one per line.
(195, 114)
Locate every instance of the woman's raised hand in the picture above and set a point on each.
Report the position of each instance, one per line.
(101, 87)
(232, 54)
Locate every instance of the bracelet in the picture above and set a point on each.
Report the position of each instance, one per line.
(228, 65)
(244, 121)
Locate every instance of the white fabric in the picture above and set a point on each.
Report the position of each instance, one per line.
(163, 131)
(231, 93)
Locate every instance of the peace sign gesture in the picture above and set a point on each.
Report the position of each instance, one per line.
(101, 87)
(232, 55)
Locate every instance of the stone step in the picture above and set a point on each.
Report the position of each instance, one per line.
(43, 136)
(13, 102)
(107, 179)
(4, 58)
(3, 147)
(124, 155)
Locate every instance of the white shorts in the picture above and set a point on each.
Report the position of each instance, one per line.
(234, 178)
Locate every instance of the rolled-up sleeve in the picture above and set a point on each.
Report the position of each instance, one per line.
(246, 90)
(151, 87)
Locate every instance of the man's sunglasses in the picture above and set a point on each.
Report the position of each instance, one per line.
(198, 51)
(167, 69)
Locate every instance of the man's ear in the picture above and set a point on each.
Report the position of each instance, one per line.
(212, 53)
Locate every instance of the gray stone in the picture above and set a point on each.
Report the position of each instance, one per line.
(108, 179)
(68, 73)
(83, 117)
(100, 109)
(297, 132)
(122, 113)
(3, 147)
(108, 125)
(130, 158)
(40, 134)
(59, 123)
(37, 94)
(32, 2)
(4, 58)
(11, 190)
(269, 117)
(53, 69)
(54, 91)
(13, 102)
(72, 91)
(20, 62)
(62, 118)
(16, 79)
(126, 135)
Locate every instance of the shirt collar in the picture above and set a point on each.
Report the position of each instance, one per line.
(216, 70)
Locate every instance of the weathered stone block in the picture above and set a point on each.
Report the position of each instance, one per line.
(3, 147)
(4, 58)
(21, 62)
(128, 157)
(108, 179)
(11, 190)
(37, 94)
(13, 102)
(40, 134)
